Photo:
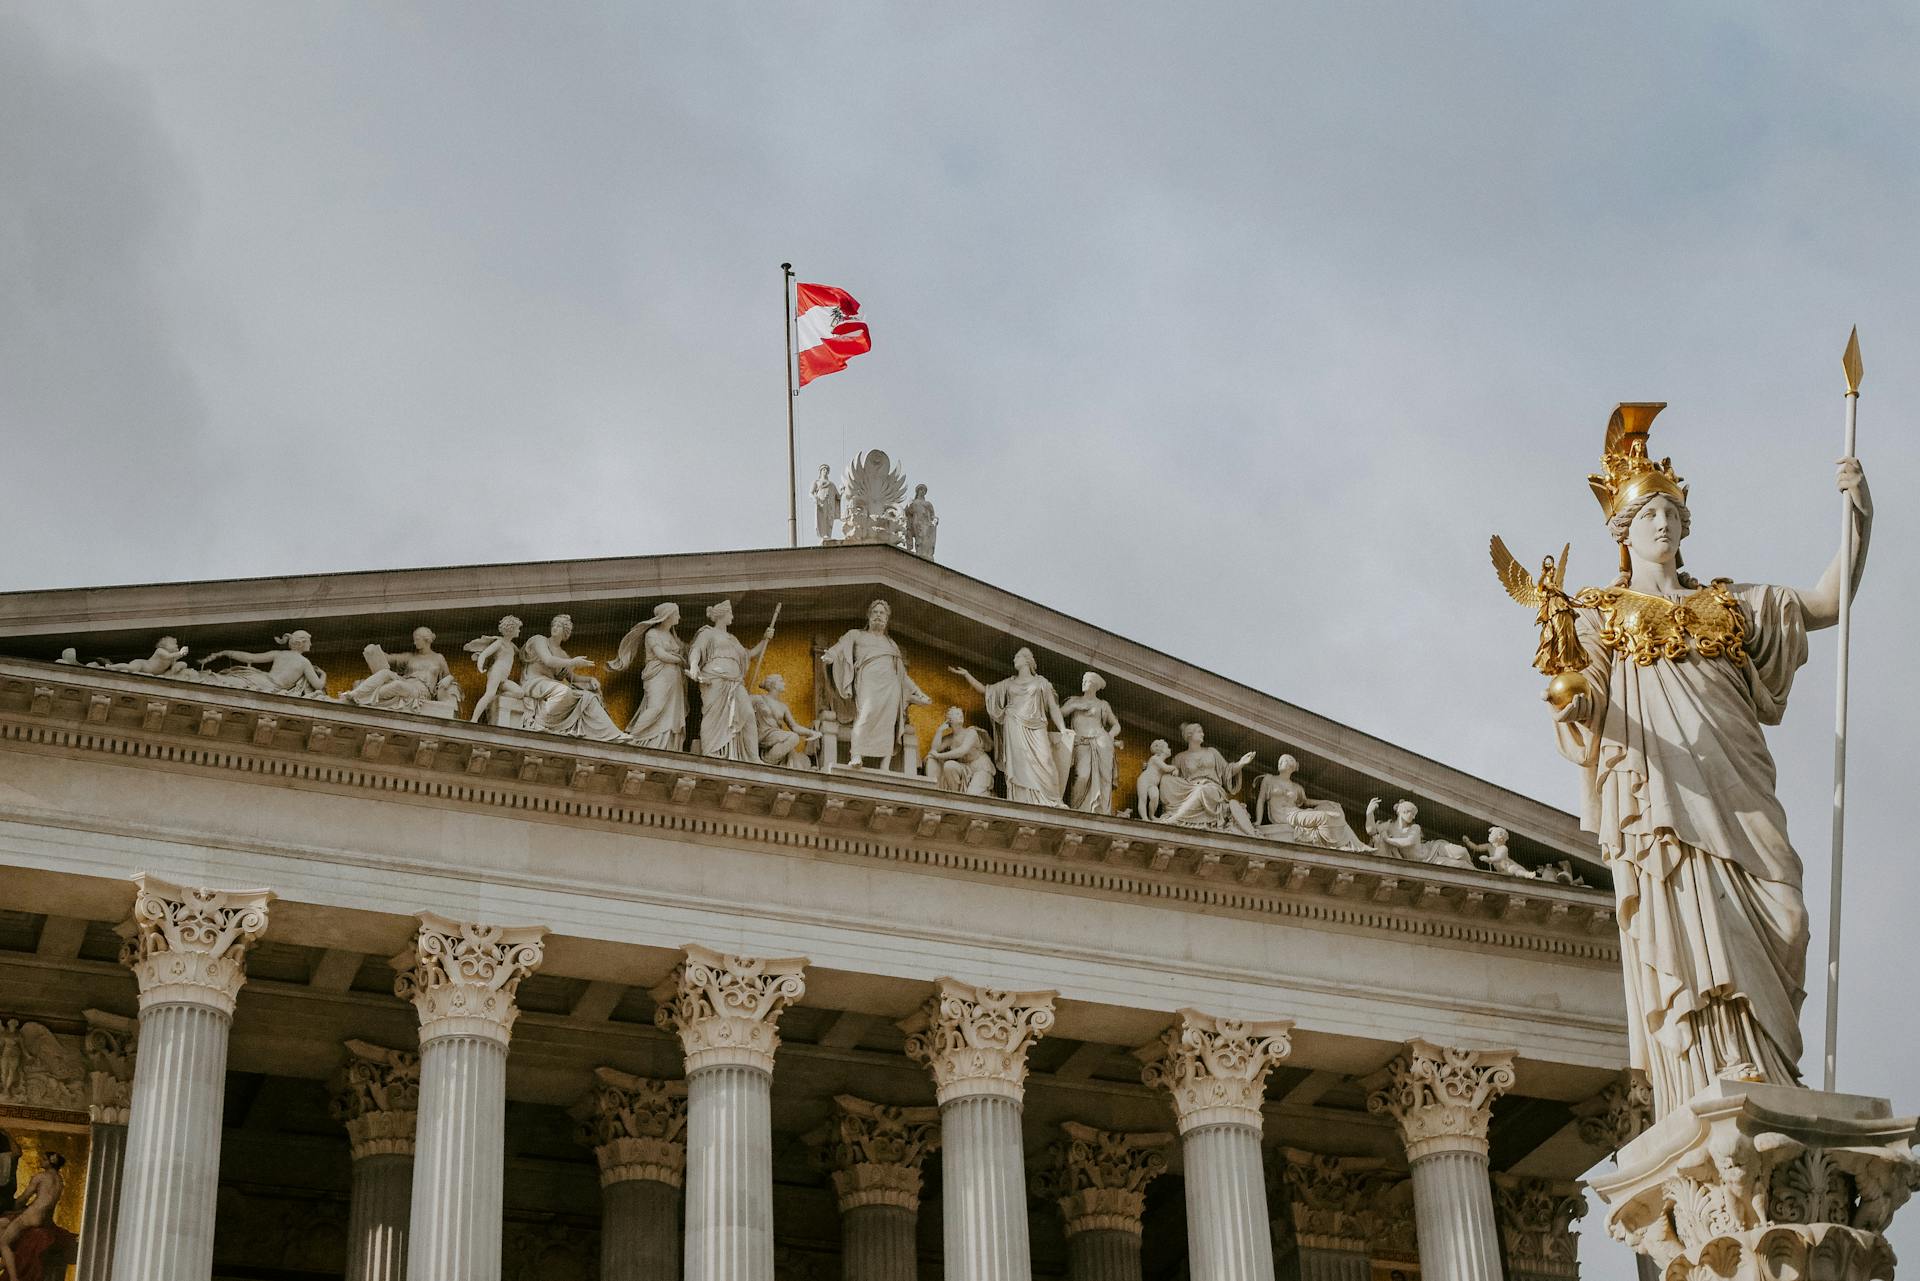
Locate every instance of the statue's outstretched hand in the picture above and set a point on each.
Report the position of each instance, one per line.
(1852, 481)
(1578, 708)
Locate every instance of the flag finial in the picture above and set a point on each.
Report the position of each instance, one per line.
(1851, 362)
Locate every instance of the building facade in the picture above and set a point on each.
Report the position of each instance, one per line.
(305, 972)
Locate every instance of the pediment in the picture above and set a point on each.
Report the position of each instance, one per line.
(941, 618)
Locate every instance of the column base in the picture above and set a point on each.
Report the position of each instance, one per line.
(1750, 1182)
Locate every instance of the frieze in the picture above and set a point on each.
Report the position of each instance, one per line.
(835, 812)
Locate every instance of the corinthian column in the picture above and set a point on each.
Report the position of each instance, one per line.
(726, 1010)
(1614, 1118)
(187, 949)
(1215, 1071)
(974, 1041)
(1536, 1218)
(873, 1153)
(1442, 1099)
(461, 978)
(1331, 1203)
(1099, 1180)
(377, 1098)
(110, 1045)
(637, 1128)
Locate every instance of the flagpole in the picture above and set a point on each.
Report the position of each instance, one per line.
(793, 474)
(1850, 362)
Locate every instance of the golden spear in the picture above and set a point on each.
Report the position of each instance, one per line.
(1850, 364)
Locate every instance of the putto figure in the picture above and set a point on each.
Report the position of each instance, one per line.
(1679, 784)
(867, 667)
(496, 655)
(168, 659)
(288, 670)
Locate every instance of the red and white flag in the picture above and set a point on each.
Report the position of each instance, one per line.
(825, 331)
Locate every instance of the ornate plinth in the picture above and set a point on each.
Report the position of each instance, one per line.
(1749, 1182)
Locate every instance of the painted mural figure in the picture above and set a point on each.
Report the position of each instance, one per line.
(29, 1234)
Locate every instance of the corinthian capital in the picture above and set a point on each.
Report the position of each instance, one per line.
(461, 977)
(377, 1097)
(1616, 1116)
(1441, 1097)
(873, 1151)
(726, 1009)
(190, 944)
(1215, 1069)
(636, 1126)
(110, 1046)
(1333, 1200)
(1099, 1178)
(975, 1039)
(1536, 1225)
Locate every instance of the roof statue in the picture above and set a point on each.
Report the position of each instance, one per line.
(871, 506)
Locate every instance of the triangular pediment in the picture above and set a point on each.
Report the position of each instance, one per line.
(941, 618)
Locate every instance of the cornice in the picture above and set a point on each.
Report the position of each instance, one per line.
(864, 816)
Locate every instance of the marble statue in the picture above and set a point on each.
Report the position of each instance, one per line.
(1402, 837)
(1494, 854)
(168, 659)
(826, 503)
(783, 740)
(69, 657)
(495, 655)
(1096, 735)
(1198, 791)
(288, 671)
(919, 523)
(417, 682)
(961, 757)
(661, 720)
(1282, 812)
(37, 1202)
(1035, 744)
(729, 727)
(565, 699)
(1147, 788)
(1668, 731)
(867, 667)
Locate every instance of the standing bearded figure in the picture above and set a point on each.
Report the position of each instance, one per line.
(866, 666)
(1666, 723)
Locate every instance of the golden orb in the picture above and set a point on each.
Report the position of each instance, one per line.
(1566, 687)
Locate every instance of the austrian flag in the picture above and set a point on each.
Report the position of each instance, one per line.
(825, 331)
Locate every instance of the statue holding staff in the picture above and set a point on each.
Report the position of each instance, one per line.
(1665, 720)
(729, 726)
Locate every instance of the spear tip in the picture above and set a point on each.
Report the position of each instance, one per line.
(1850, 362)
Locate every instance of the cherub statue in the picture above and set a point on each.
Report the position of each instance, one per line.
(1402, 837)
(495, 655)
(166, 660)
(1494, 854)
(960, 758)
(288, 671)
(783, 740)
(1147, 789)
(407, 682)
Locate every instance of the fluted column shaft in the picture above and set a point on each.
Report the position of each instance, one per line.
(1103, 1254)
(1334, 1263)
(640, 1231)
(1228, 1234)
(106, 1163)
(729, 1174)
(378, 1221)
(877, 1243)
(1453, 1215)
(983, 1190)
(187, 949)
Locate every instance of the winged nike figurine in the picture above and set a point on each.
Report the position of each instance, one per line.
(1560, 654)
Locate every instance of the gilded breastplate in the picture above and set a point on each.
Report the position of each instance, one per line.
(1708, 622)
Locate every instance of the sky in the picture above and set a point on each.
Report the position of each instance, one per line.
(1233, 328)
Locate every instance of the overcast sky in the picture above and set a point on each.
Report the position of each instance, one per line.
(1233, 330)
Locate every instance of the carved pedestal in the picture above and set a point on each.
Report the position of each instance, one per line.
(1215, 1072)
(1442, 1098)
(1749, 1182)
(726, 1011)
(873, 1153)
(187, 948)
(637, 1128)
(1099, 1180)
(461, 978)
(974, 1042)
